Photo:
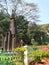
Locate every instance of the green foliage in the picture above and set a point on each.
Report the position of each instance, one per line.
(19, 55)
(48, 45)
(38, 33)
(47, 39)
(40, 37)
(4, 23)
(22, 26)
(18, 63)
(38, 55)
(44, 27)
(26, 39)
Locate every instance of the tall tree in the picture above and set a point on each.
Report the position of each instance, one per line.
(32, 28)
(22, 26)
(19, 7)
(35, 32)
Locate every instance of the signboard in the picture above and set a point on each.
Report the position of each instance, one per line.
(7, 58)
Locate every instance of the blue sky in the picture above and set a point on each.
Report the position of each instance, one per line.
(43, 6)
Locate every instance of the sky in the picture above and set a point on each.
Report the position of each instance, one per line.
(43, 6)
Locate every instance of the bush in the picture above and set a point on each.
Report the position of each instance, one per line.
(38, 55)
(18, 56)
(18, 63)
(21, 49)
(48, 46)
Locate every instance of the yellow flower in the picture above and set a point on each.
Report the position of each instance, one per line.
(22, 49)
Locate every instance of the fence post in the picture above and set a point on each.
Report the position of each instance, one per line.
(26, 56)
